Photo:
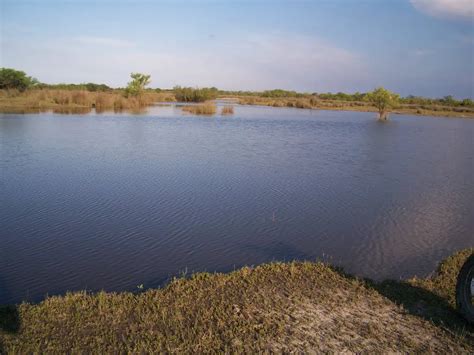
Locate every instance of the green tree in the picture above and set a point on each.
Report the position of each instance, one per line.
(138, 84)
(15, 79)
(383, 100)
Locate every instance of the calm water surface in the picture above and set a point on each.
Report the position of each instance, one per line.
(114, 201)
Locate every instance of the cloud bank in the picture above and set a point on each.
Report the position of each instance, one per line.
(454, 9)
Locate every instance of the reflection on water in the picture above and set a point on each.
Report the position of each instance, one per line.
(65, 110)
(111, 201)
(72, 110)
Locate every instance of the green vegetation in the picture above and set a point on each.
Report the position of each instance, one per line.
(11, 79)
(184, 94)
(207, 108)
(383, 100)
(277, 307)
(92, 87)
(281, 93)
(138, 84)
(20, 93)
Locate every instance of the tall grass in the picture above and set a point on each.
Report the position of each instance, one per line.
(71, 99)
(207, 108)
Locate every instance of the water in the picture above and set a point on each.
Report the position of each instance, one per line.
(114, 201)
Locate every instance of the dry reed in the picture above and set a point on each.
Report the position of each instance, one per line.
(77, 99)
(227, 110)
(207, 108)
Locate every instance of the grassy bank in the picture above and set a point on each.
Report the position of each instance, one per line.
(81, 101)
(273, 307)
(310, 102)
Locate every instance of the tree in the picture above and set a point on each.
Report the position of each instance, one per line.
(138, 83)
(15, 79)
(383, 100)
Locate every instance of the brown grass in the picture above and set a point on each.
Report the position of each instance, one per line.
(207, 108)
(67, 100)
(227, 110)
(278, 307)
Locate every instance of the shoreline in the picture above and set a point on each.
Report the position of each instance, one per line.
(358, 107)
(83, 102)
(75, 109)
(276, 307)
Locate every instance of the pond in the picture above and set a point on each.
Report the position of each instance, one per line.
(112, 201)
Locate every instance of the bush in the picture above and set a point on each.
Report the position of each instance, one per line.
(187, 94)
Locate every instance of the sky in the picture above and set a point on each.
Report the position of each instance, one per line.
(413, 47)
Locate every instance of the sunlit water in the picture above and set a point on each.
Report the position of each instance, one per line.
(114, 201)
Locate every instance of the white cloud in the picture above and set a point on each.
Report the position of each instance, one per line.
(446, 8)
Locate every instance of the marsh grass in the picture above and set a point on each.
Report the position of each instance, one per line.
(206, 108)
(277, 307)
(313, 102)
(69, 99)
(227, 110)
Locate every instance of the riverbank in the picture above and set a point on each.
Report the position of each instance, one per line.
(76, 101)
(297, 306)
(83, 101)
(340, 105)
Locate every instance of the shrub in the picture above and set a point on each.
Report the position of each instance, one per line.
(138, 84)
(15, 79)
(186, 94)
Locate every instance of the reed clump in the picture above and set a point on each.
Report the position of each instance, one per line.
(207, 108)
(227, 110)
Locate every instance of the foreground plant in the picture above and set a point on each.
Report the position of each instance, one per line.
(277, 307)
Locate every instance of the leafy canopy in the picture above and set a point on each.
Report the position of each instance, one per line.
(15, 79)
(383, 100)
(138, 84)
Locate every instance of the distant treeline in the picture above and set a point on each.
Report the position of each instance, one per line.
(85, 86)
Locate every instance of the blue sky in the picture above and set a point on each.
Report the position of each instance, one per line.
(420, 47)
